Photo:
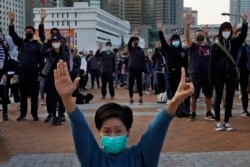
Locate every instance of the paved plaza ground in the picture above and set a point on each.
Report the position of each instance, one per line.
(196, 143)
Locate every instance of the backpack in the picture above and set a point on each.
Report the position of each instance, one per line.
(182, 111)
(82, 99)
(162, 97)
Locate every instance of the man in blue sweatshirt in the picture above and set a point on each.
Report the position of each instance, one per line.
(113, 123)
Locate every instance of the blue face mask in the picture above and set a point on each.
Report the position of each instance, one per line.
(114, 144)
(176, 43)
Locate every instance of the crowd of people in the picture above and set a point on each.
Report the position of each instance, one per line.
(181, 69)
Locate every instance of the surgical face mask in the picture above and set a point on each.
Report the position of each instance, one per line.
(226, 34)
(114, 144)
(108, 49)
(29, 35)
(56, 45)
(200, 38)
(176, 43)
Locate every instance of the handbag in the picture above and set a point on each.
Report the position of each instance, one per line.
(231, 58)
(12, 64)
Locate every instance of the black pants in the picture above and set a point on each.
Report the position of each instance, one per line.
(161, 86)
(134, 75)
(53, 100)
(95, 74)
(84, 79)
(107, 78)
(230, 83)
(243, 88)
(173, 79)
(29, 87)
(4, 98)
(13, 88)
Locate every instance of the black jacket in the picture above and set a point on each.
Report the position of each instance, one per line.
(107, 61)
(176, 57)
(220, 63)
(29, 57)
(136, 59)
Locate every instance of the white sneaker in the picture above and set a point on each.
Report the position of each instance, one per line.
(147, 92)
(227, 126)
(42, 102)
(218, 126)
(167, 101)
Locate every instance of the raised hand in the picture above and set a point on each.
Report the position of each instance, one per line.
(11, 16)
(159, 25)
(136, 31)
(157, 44)
(184, 89)
(43, 13)
(244, 15)
(188, 18)
(63, 83)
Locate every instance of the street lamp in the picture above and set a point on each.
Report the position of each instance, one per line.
(230, 14)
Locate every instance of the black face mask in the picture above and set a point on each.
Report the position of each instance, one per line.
(135, 43)
(200, 38)
(28, 35)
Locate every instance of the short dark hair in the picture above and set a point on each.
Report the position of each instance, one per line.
(30, 27)
(113, 110)
(108, 43)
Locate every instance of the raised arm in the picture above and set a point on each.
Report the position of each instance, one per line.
(43, 15)
(134, 34)
(242, 36)
(188, 21)
(206, 30)
(16, 39)
(164, 43)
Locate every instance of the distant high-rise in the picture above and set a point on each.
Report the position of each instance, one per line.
(167, 11)
(19, 9)
(236, 9)
(114, 7)
(135, 12)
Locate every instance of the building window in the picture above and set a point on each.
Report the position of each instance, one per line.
(75, 15)
(75, 23)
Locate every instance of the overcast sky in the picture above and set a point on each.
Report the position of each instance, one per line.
(209, 11)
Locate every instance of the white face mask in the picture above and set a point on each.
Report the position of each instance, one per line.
(226, 34)
(56, 45)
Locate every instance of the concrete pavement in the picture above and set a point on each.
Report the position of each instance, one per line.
(38, 144)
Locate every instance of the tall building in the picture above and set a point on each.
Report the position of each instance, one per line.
(114, 7)
(236, 9)
(135, 12)
(167, 11)
(19, 9)
(194, 14)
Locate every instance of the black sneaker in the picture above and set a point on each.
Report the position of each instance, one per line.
(192, 116)
(209, 116)
(245, 114)
(227, 126)
(35, 118)
(140, 102)
(131, 102)
(48, 118)
(54, 121)
(62, 117)
(20, 118)
(5, 117)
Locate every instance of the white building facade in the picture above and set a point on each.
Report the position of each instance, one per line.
(19, 9)
(85, 26)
